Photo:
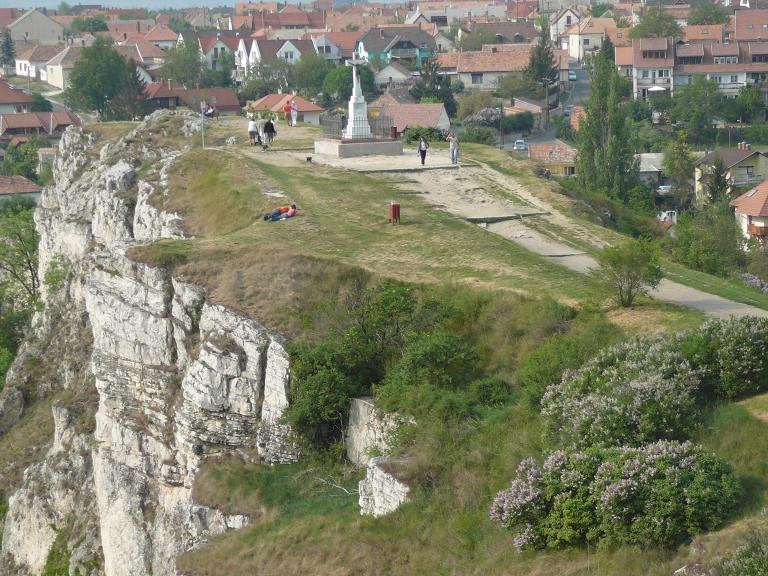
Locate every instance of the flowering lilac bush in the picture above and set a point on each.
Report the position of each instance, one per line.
(632, 393)
(659, 494)
(729, 355)
(750, 559)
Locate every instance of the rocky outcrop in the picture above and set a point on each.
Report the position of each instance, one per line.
(178, 379)
(368, 431)
(381, 492)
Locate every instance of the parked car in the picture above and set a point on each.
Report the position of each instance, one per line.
(664, 189)
(571, 75)
(567, 110)
(520, 145)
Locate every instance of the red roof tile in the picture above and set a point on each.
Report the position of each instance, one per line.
(10, 185)
(11, 95)
(553, 153)
(275, 102)
(754, 202)
(513, 59)
(405, 115)
(161, 33)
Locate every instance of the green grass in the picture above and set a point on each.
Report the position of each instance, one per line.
(34, 85)
(725, 287)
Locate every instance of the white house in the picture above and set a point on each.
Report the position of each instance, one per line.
(392, 74)
(587, 36)
(31, 63)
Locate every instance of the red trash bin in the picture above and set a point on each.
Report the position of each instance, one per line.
(394, 212)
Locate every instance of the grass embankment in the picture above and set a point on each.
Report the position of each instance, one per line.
(726, 287)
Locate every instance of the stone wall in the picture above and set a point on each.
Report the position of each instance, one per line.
(381, 492)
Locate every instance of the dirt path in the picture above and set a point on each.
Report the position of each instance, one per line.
(478, 191)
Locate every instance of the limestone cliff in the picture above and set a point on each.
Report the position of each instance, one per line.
(173, 378)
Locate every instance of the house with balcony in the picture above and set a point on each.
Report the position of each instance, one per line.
(401, 42)
(744, 167)
(653, 64)
(751, 211)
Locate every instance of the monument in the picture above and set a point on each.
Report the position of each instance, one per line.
(356, 137)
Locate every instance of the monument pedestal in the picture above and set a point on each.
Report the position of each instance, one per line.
(354, 149)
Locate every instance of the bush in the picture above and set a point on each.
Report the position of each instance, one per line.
(547, 363)
(630, 269)
(750, 559)
(660, 494)
(489, 117)
(729, 355)
(475, 102)
(414, 133)
(632, 393)
(522, 122)
(479, 135)
(432, 363)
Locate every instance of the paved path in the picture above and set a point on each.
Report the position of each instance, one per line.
(502, 205)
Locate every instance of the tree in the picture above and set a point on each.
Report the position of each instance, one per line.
(707, 13)
(475, 102)
(698, 103)
(655, 22)
(709, 240)
(267, 77)
(309, 73)
(678, 166)
(97, 77)
(631, 269)
(222, 76)
(606, 155)
(21, 159)
(178, 25)
(64, 9)
(748, 104)
(607, 50)
(338, 82)
(7, 54)
(131, 103)
(520, 84)
(471, 42)
(717, 187)
(182, 65)
(432, 85)
(18, 251)
(40, 104)
(542, 67)
(93, 24)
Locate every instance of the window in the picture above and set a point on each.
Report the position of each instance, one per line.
(619, 34)
(477, 78)
(760, 58)
(726, 59)
(569, 170)
(749, 26)
(654, 54)
(568, 20)
(734, 78)
(645, 73)
(663, 74)
(717, 79)
(586, 41)
(750, 170)
(288, 55)
(683, 60)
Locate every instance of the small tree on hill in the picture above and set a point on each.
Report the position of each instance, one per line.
(432, 85)
(7, 54)
(542, 67)
(655, 22)
(717, 187)
(630, 269)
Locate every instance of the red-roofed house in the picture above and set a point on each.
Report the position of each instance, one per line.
(335, 46)
(558, 157)
(481, 70)
(752, 212)
(273, 103)
(406, 115)
(587, 35)
(13, 100)
(166, 95)
(698, 32)
(623, 59)
(31, 62)
(57, 69)
(20, 127)
(18, 187)
(8, 15)
(162, 36)
(245, 7)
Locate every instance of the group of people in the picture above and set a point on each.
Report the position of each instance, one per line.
(291, 111)
(281, 213)
(453, 144)
(261, 131)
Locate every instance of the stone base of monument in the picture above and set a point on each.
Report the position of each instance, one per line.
(354, 149)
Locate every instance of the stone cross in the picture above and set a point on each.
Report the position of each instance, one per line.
(357, 124)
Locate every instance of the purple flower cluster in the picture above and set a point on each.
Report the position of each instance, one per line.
(632, 393)
(657, 494)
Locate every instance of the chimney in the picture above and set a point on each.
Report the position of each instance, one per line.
(747, 146)
(138, 26)
(170, 84)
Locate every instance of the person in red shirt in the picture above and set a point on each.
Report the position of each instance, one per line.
(281, 213)
(287, 112)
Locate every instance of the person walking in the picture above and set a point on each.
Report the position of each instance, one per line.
(252, 130)
(294, 112)
(454, 147)
(269, 131)
(423, 147)
(260, 127)
(287, 113)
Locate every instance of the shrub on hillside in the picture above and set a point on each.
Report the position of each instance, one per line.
(660, 494)
(632, 393)
(414, 133)
(750, 559)
(729, 355)
(475, 101)
(479, 135)
(489, 117)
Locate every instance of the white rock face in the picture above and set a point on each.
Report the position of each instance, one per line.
(380, 492)
(178, 379)
(368, 431)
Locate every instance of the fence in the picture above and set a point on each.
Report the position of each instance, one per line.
(333, 127)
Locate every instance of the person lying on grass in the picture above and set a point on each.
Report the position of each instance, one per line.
(281, 213)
